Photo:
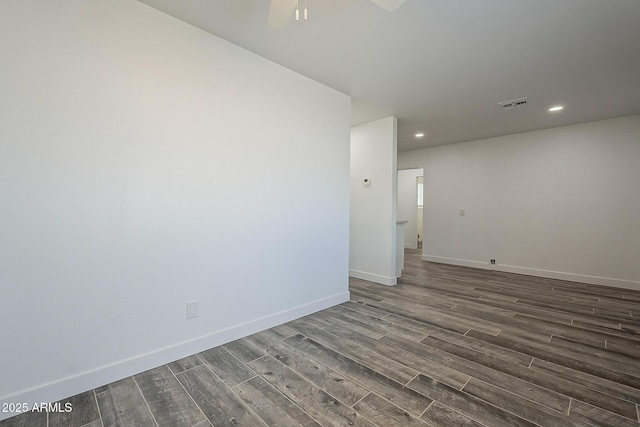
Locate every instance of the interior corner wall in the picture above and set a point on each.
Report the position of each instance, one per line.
(372, 238)
(561, 203)
(145, 164)
(408, 205)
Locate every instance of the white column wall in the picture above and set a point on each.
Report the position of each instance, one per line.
(372, 250)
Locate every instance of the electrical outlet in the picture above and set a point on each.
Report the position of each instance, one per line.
(192, 310)
(493, 261)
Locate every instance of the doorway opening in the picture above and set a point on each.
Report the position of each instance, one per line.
(420, 210)
(410, 206)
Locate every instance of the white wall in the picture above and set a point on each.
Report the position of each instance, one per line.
(372, 248)
(134, 151)
(562, 202)
(420, 230)
(420, 213)
(408, 205)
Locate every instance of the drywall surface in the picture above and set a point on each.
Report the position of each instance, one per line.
(372, 249)
(145, 164)
(561, 202)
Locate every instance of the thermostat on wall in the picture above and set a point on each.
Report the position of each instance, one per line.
(366, 182)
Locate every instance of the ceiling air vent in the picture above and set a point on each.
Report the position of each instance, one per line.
(514, 103)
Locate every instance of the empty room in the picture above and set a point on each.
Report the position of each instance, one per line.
(319, 213)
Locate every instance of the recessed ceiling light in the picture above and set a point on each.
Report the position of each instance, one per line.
(556, 108)
(419, 135)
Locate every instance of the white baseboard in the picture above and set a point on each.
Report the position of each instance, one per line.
(72, 385)
(572, 277)
(456, 261)
(383, 280)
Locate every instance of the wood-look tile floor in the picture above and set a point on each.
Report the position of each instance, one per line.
(447, 346)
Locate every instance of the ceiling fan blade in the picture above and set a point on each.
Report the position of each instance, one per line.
(280, 12)
(389, 5)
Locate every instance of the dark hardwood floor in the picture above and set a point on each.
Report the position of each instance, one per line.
(447, 346)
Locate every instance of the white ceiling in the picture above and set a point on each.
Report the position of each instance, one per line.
(442, 66)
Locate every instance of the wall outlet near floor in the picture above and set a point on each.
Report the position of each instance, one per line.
(493, 262)
(192, 310)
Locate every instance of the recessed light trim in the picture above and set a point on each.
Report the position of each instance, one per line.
(556, 108)
(419, 134)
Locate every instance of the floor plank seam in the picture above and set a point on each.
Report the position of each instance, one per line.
(185, 370)
(385, 378)
(465, 384)
(426, 409)
(189, 394)
(498, 407)
(535, 403)
(416, 376)
(252, 411)
(290, 400)
(343, 354)
(360, 400)
(289, 336)
(310, 380)
(95, 397)
(242, 382)
(210, 368)
(144, 399)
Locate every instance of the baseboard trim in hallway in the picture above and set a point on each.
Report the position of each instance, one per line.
(375, 278)
(527, 271)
